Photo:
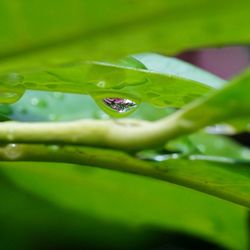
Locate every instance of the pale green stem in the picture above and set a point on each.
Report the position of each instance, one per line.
(120, 134)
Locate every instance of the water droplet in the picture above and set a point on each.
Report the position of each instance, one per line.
(223, 129)
(34, 101)
(12, 151)
(166, 157)
(150, 155)
(120, 105)
(53, 148)
(101, 84)
(211, 158)
(116, 104)
(40, 103)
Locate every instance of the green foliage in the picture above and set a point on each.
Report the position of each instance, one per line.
(59, 60)
(137, 203)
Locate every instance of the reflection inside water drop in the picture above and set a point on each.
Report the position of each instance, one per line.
(116, 104)
(119, 104)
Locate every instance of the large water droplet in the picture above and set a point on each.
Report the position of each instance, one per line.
(116, 104)
(12, 151)
(120, 105)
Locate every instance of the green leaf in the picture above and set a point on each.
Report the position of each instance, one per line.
(222, 176)
(91, 29)
(5, 112)
(210, 145)
(179, 68)
(219, 146)
(163, 75)
(131, 201)
(228, 105)
(51, 55)
(201, 172)
(95, 78)
(54, 106)
(49, 106)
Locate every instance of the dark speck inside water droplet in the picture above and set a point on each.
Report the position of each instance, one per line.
(120, 105)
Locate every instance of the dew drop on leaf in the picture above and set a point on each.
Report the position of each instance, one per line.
(116, 104)
(223, 129)
(120, 105)
(12, 151)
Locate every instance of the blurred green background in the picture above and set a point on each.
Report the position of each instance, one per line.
(66, 206)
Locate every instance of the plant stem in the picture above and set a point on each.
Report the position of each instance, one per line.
(116, 160)
(125, 134)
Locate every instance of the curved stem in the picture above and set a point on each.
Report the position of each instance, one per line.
(119, 134)
(171, 171)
